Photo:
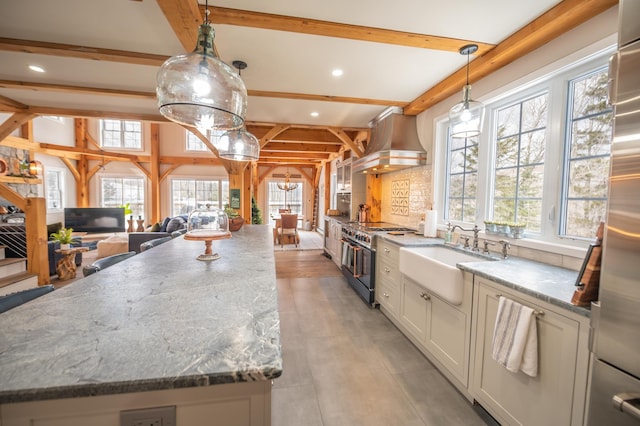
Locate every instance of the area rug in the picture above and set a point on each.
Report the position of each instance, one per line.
(309, 240)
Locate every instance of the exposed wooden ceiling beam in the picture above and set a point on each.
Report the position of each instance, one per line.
(13, 122)
(293, 154)
(70, 112)
(558, 20)
(62, 88)
(326, 98)
(81, 52)
(184, 17)
(287, 163)
(306, 147)
(222, 15)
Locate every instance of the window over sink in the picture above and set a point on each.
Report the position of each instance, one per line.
(543, 159)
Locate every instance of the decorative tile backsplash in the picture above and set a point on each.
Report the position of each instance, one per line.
(418, 196)
(400, 197)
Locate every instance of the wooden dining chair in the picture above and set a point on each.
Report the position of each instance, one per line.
(288, 229)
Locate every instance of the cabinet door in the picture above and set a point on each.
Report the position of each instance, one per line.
(347, 175)
(515, 398)
(337, 243)
(340, 177)
(413, 309)
(448, 335)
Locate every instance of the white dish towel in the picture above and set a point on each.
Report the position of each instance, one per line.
(515, 338)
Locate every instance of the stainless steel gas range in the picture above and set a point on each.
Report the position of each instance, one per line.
(359, 255)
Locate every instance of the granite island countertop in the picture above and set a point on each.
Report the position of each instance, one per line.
(159, 320)
(549, 283)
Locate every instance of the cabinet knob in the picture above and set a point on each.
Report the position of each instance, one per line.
(425, 296)
(385, 294)
(386, 250)
(387, 269)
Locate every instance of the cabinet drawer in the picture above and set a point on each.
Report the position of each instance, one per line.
(388, 271)
(387, 251)
(388, 298)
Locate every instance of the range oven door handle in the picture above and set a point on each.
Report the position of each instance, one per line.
(628, 403)
(355, 261)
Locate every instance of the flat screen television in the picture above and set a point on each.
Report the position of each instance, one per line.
(95, 219)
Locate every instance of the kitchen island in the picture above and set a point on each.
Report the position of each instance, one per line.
(158, 329)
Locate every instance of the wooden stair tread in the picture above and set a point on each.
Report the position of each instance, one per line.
(11, 260)
(12, 279)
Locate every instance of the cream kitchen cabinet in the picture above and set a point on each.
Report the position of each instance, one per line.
(557, 395)
(441, 329)
(333, 240)
(387, 278)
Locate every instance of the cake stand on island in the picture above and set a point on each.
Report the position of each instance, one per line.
(208, 236)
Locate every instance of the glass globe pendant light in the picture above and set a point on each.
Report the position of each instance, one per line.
(198, 89)
(466, 117)
(238, 145)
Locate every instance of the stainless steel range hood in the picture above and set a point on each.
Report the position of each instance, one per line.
(394, 144)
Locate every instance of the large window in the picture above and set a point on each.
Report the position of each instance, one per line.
(54, 184)
(543, 158)
(189, 194)
(118, 191)
(519, 168)
(462, 164)
(121, 134)
(588, 147)
(194, 143)
(277, 199)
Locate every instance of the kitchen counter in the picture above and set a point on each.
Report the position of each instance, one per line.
(159, 320)
(549, 283)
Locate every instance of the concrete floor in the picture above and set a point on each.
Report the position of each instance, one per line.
(346, 364)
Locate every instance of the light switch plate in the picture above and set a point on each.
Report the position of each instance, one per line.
(156, 416)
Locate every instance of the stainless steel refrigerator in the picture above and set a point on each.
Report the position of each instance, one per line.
(615, 388)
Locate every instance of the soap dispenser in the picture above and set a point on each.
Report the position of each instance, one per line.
(421, 225)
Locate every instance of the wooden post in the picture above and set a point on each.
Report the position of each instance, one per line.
(327, 186)
(246, 194)
(155, 173)
(374, 197)
(37, 239)
(82, 183)
(236, 182)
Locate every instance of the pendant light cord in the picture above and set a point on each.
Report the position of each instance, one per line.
(467, 68)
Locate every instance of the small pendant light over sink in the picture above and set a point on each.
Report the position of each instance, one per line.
(199, 90)
(466, 117)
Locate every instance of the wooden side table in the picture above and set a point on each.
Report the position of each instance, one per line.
(66, 267)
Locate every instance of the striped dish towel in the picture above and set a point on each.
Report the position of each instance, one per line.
(515, 338)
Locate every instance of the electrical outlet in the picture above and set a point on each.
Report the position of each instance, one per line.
(157, 416)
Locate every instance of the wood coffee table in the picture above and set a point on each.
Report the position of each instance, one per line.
(66, 267)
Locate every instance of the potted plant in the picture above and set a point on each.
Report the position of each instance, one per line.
(490, 226)
(235, 220)
(517, 229)
(63, 236)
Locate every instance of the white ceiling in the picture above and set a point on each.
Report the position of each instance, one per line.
(277, 61)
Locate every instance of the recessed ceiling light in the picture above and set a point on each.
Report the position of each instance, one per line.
(36, 68)
(337, 72)
(314, 114)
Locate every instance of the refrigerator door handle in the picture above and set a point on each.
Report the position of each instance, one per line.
(628, 403)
